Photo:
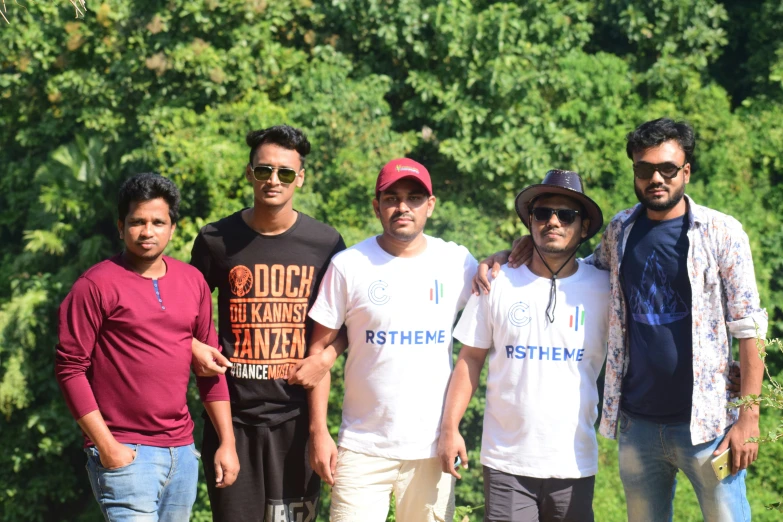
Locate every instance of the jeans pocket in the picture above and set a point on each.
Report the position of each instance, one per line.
(624, 422)
(134, 447)
(195, 452)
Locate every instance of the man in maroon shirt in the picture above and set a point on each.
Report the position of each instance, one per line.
(123, 364)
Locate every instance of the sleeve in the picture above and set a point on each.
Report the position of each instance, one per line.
(745, 317)
(210, 389)
(201, 258)
(601, 257)
(338, 247)
(80, 321)
(474, 328)
(330, 305)
(469, 269)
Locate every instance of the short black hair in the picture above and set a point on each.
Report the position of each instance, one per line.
(145, 187)
(655, 132)
(283, 135)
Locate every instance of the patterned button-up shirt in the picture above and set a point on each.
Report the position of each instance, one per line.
(725, 304)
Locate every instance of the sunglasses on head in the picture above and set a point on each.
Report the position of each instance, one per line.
(668, 170)
(566, 216)
(264, 172)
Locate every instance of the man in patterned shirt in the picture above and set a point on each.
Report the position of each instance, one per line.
(682, 285)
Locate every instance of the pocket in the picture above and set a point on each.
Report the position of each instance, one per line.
(97, 456)
(624, 422)
(195, 452)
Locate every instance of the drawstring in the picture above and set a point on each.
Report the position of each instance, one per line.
(552, 289)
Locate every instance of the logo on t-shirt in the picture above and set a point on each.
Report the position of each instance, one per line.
(241, 280)
(577, 319)
(655, 301)
(519, 314)
(436, 292)
(378, 293)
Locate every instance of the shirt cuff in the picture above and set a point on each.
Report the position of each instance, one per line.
(754, 325)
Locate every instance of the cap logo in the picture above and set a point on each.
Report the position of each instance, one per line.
(405, 167)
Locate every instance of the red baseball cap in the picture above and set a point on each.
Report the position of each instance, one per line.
(402, 168)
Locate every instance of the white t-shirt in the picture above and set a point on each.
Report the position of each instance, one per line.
(542, 398)
(399, 313)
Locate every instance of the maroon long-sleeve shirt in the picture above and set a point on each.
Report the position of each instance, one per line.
(127, 352)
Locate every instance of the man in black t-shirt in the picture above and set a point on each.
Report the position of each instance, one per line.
(267, 262)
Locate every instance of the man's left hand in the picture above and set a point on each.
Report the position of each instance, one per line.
(226, 465)
(743, 453)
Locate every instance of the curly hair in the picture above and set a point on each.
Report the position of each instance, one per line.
(145, 187)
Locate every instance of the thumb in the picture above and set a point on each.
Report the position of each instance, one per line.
(292, 373)
(332, 467)
(220, 359)
(722, 446)
(463, 455)
(495, 269)
(218, 472)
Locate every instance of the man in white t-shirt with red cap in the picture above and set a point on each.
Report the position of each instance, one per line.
(398, 295)
(544, 327)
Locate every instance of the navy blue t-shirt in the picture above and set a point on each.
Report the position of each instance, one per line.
(659, 382)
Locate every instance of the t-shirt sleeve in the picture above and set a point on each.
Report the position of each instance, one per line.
(474, 327)
(338, 247)
(80, 321)
(330, 305)
(469, 268)
(210, 389)
(201, 258)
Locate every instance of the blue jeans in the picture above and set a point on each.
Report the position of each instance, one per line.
(650, 456)
(158, 486)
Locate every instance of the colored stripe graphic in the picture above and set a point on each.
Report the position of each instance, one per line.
(582, 321)
(437, 297)
(576, 323)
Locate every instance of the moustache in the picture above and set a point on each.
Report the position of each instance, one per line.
(406, 215)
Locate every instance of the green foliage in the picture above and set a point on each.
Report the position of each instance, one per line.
(489, 95)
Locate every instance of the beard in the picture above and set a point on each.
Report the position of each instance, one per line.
(552, 249)
(662, 204)
(406, 235)
(545, 247)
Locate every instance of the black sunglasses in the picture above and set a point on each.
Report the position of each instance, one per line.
(264, 172)
(566, 216)
(645, 171)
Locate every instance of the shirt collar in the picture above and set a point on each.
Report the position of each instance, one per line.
(695, 213)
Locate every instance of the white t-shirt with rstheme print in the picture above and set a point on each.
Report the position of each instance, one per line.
(399, 313)
(542, 398)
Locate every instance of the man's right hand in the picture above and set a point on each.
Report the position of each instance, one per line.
(323, 455)
(207, 361)
(116, 455)
(450, 446)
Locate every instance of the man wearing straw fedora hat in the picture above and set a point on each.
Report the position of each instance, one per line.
(544, 327)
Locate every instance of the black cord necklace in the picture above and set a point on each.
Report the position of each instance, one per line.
(550, 315)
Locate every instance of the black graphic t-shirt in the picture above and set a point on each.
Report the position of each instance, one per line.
(659, 382)
(266, 285)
